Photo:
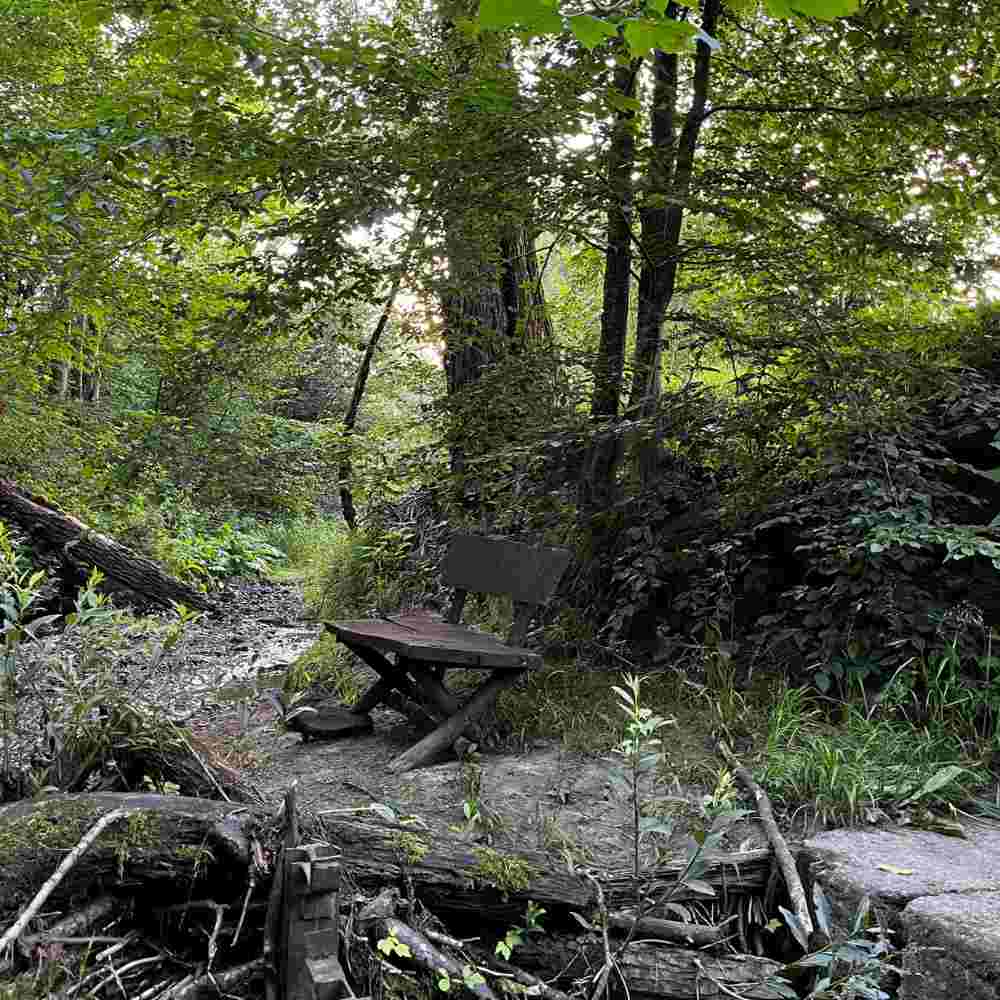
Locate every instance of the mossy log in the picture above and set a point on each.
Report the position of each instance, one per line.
(74, 542)
(660, 971)
(454, 877)
(171, 845)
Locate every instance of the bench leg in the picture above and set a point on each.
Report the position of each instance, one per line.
(428, 681)
(417, 703)
(449, 730)
(391, 676)
(373, 697)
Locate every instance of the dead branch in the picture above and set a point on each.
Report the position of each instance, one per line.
(17, 928)
(432, 959)
(796, 893)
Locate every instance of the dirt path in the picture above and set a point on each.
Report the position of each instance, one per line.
(541, 796)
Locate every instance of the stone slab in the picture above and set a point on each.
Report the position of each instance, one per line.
(851, 864)
(940, 897)
(953, 948)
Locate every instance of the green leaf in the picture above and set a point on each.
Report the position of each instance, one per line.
(642, 35)
(825, 10)
(531, 15)
(796, 926)
(591, 31)
(937, 781)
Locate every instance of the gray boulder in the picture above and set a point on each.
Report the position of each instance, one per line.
(939, 896)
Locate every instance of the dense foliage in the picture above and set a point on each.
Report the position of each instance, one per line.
(697, 275)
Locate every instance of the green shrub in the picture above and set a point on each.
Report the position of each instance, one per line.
(206, 557)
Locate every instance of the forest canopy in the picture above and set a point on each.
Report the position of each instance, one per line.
(726, 236)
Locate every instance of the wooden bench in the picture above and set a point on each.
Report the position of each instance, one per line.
(411, 652)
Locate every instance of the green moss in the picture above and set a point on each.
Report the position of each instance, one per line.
(194, 856)
(411, 846)
(507, 873)
(141, 831)
(52, 826)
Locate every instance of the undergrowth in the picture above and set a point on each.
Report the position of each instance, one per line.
(847, 766)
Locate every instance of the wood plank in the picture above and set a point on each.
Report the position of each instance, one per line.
(528, 573)
(430, 639)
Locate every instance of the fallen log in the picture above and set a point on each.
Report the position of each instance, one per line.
(76, 543)
(170, 844)
(11, 935)
(650, 971)
(452, 876)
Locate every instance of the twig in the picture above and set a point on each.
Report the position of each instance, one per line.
(208, 773)
(156, 989)
(44, 939)
(178, 986)
(796, 893)
(213, 941)
(116, 974)
(536, 986)
(115, 948)
(70, 930)
(222, 982)
(447, 940)
(694, 935)
(601, 983)
(17, 928)
(243, 912)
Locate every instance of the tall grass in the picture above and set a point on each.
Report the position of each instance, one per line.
(842, 770)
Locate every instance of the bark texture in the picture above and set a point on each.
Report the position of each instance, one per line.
(669, 181)
(181, 846)
(653, 970)
(76, 543)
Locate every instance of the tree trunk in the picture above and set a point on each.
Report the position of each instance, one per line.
(493, 303)
(351, 417)
(608, 372)
(601, 465)
(75, 543)
(668, 185)
(521, 288)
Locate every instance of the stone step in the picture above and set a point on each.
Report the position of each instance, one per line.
(939, 896)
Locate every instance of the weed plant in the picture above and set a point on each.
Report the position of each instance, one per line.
(330, 666)
(358, 571)
(862, 764)
(566, 703)
(95, 718)
(304, 542)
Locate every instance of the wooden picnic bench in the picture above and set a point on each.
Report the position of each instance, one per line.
(411, 652)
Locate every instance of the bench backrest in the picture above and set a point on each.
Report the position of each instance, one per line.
(487, 565)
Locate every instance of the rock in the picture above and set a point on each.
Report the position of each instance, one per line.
(328, 722)
(851, 864)
(953, 948)
(940, 896)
